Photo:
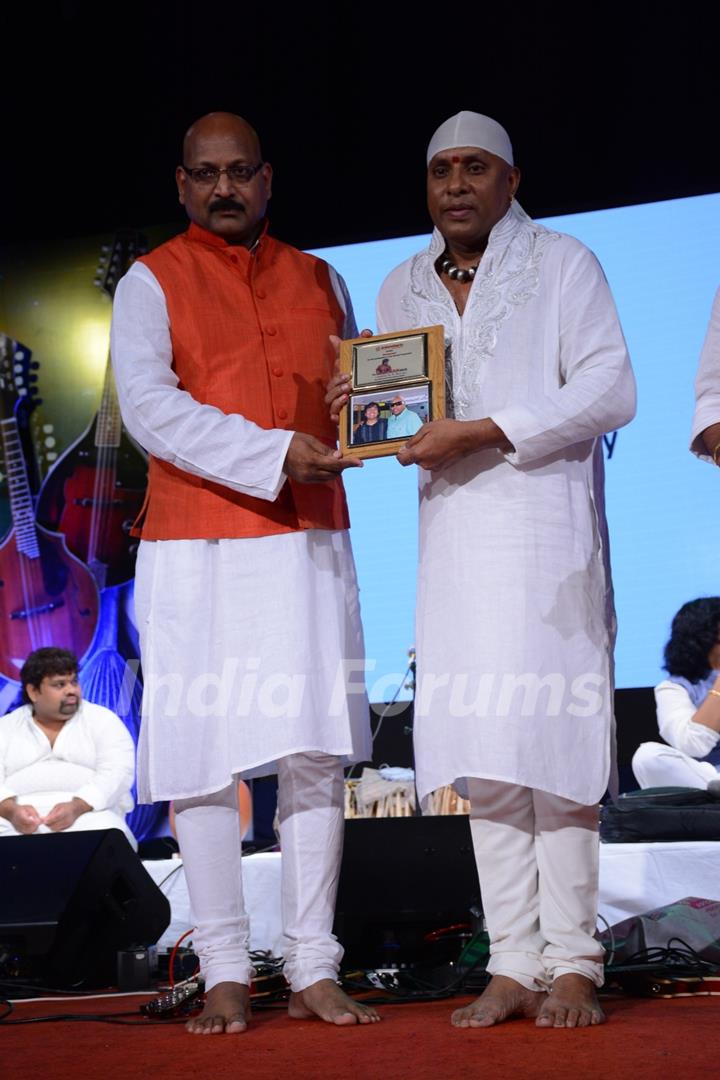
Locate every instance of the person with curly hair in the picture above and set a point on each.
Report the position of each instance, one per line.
(688, 704)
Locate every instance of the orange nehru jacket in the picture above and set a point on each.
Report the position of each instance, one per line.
(250, 336)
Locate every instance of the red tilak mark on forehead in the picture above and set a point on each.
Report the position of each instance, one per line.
(455, 159)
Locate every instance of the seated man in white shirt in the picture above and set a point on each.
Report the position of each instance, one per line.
(65, 764)
(688, 704)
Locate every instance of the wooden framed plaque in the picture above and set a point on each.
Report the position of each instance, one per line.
(398, 384)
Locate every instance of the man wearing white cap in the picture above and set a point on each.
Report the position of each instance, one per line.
(515, 621)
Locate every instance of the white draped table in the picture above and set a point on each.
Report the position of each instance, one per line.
(633, 878)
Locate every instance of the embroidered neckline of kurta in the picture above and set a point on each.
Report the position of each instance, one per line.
(507, 277)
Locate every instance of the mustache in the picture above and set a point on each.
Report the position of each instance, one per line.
(226, 204)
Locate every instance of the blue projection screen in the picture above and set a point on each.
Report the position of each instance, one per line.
(661, 260)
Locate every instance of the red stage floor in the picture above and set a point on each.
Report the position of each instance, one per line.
(643, 1040)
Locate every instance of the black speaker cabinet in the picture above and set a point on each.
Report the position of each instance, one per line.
(70, 901)
(401, 880)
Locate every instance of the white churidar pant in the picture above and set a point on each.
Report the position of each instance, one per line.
(537, 856)
(310, 805)
(657, 765)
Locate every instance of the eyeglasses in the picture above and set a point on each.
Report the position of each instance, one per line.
(207, 175)
(396, 404)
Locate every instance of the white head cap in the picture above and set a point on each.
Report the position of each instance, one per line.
(471, 129)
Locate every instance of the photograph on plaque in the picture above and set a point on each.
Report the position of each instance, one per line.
(377, 417)
(395, 360)
(397, 385)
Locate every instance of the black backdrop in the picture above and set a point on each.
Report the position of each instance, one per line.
(607, 106)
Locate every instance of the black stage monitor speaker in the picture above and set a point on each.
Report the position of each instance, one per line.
(70, 901)
(400, 880)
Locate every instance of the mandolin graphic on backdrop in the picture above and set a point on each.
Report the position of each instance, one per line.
(95, 490)
(47, 595)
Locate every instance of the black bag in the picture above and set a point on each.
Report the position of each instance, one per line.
(661, 813)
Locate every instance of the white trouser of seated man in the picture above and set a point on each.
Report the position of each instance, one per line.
(659, 765)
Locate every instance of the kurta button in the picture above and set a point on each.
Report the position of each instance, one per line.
(271, 331)
(282, 414)
(277, 371)
(260, 293)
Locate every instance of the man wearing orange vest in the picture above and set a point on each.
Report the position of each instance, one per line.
(246, 594)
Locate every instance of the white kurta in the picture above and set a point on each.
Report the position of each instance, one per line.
(245, 642)
(92, 758)
(515, 619)
(707, 383)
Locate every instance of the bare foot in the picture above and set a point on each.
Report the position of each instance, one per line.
(326, 1000)
(501, 999)
(226, 1011)
(572, 1002)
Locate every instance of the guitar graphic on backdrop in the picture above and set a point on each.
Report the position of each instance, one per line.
(47, 596)
(95, 490)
